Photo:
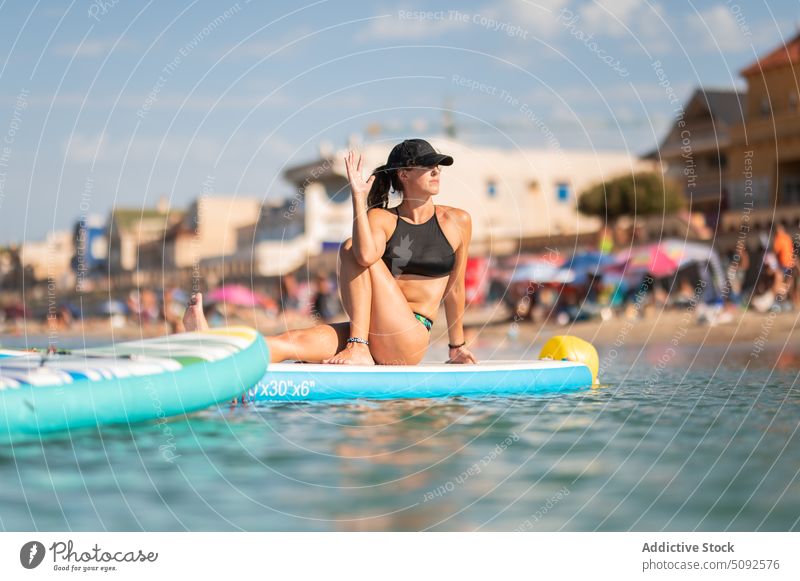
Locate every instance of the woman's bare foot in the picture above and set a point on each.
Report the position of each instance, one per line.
(193, 318)
(352, 354)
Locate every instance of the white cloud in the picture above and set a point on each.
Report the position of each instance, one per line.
(99, 147)
(612, 17)
(281, 45)
(538, 16)
(409, 25)
(92, 48)
(718, 30)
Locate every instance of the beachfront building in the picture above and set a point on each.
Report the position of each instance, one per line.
(695, 151)
(49, 260)
(268, 248)
(523, 198)
(765, 149)
(208, 228)
(11, 271)
(91, 250)
(132, 228)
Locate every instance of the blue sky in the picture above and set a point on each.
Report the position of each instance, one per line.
(105, 101)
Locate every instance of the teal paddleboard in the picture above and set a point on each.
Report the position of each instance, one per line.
(127, 382)
(313, 382)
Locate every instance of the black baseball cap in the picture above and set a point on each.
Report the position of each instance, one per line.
(416, 153)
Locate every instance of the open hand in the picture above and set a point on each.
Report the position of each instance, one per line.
(354, 163)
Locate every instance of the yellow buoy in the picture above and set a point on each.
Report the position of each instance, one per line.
(570, 348)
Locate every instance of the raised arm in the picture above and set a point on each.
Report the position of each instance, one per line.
(455, 292)
(369, 238)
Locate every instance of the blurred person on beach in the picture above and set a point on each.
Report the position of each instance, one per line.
(290, 294)
(783, 248)
(325, 305)
(605, 240)
(172, 310)
(134, 304)
(736, 271)
(394, 272)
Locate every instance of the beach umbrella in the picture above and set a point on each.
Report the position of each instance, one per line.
(582, 265)
(665, 258)
(649, 258)
(542, 273)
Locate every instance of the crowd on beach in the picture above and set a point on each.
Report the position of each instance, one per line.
(668, 274)
(617, 276)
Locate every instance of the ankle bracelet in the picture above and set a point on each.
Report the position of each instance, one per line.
(358, 340)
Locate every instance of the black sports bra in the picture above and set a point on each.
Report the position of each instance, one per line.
(420, 249)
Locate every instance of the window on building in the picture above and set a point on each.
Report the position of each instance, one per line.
(764, 107)
(718, 161)
(791, 190)
(491, 188)
(562, 192)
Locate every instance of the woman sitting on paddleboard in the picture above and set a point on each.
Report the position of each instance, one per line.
(393, 273)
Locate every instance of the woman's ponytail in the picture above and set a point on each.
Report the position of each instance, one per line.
(385, 179)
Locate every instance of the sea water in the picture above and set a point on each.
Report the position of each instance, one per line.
(702, 443)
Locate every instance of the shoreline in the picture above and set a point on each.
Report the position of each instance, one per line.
(679, 328)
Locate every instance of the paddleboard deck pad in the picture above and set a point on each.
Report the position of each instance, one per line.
(293, 382)
(127, 382)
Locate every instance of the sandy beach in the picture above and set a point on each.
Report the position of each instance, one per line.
(743, 331)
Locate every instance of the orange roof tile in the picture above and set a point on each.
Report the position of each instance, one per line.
(785, 54)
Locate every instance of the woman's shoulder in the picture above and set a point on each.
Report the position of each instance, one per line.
(380, 213)
(457, 215)
(382, 218)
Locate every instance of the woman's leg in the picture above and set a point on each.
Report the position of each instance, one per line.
(396, 336)
(373, 300)
(312, 345)
(355, 289)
